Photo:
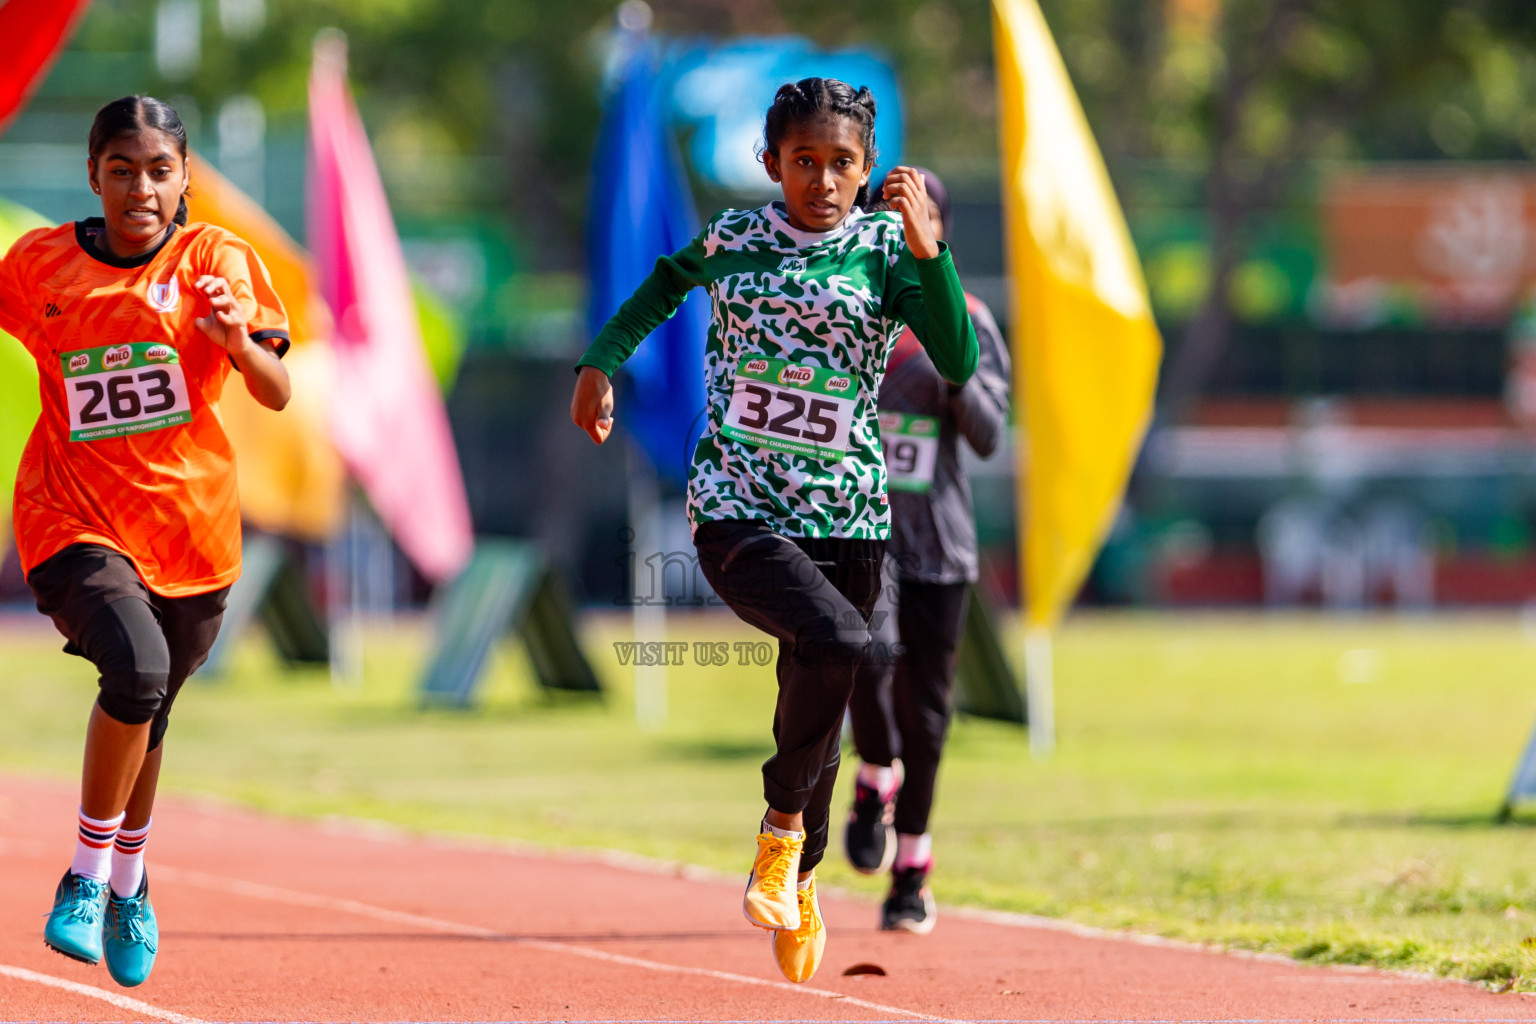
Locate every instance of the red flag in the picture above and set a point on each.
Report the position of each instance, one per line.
(34, 32)
(388, 421)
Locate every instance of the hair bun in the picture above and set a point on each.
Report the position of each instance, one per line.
(789, 92)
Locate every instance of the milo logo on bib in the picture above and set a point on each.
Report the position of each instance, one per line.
(139, 388)
(791, 408)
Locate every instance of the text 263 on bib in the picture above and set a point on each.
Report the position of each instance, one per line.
(116, 390)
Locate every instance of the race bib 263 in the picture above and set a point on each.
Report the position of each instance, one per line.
(788, 407)
(124, 389)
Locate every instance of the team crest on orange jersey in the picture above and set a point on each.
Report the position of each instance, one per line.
(165, 298)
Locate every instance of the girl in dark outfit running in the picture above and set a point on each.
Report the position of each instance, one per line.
(786, 494)
(127, 518)
(900, 707)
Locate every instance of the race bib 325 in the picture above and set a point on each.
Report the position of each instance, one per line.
(792, 408)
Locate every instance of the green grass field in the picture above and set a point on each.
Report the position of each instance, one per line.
(1321, 788)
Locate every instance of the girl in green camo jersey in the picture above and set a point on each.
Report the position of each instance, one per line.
(786, 495)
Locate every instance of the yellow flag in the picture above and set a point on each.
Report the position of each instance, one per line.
(291, 478)
(1086, 347)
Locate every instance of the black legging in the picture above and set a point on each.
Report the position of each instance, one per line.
(144, 645)
(815, 596)
(900, 706)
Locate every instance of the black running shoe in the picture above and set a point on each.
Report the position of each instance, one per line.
(870, 839)
(909, 907)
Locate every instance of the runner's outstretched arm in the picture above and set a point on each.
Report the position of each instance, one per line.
(265, 376)
(652, 304)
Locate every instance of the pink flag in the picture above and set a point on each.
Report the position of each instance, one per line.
(389, 422)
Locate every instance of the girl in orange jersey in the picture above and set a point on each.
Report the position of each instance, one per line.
(126, 514)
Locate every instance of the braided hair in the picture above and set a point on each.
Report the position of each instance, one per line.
(818, 99)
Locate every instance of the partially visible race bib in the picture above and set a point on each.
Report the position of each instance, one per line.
(124, 389)
(787, 407)
(911, 446)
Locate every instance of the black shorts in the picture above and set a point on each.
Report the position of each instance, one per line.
(144, 645)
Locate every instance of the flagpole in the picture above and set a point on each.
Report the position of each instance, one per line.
(649, 586)
(1040, 691)
(343, 565)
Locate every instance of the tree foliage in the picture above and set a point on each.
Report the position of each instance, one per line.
(493, 106)
(1250, 96)
(513, 84)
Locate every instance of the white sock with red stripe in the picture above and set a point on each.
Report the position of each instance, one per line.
(880, 778)
(93, 847)
(128, 860)
(914, 852)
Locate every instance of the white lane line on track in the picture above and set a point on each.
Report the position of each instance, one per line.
(294, 897)
(120, 1001)
(623, 860)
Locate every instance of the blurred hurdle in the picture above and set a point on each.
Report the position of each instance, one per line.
(271, 589)
(986, 685)
(1523, 785)
(508, 587)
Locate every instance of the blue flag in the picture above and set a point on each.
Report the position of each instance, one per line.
(641, 208)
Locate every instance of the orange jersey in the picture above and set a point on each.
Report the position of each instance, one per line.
(130, 450)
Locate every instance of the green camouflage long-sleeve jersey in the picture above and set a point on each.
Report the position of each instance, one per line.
(802, 325)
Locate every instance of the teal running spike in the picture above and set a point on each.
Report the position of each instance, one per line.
(74, 923)
(131, 937)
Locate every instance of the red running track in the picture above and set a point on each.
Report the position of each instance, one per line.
(270, 919)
